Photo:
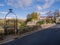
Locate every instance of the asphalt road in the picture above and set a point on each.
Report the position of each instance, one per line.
(50, 36)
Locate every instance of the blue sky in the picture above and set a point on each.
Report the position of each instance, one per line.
(23, 7)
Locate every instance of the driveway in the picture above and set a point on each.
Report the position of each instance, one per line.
(49, 36)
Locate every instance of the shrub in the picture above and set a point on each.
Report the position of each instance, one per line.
(11, 31)
(1, 36)
(49, 21)
(40, 22)
(23, 25)
(1, 31)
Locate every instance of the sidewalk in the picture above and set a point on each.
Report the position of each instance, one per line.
(14, 37)
(47, 25)
(8, 38)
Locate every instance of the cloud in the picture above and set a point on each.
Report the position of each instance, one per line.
(10, 17)
(1, 4)
(19, 3)
(43, 12)
(48, 4)
(39, 7)
(28, 3)
(3, 13)
(57, 0)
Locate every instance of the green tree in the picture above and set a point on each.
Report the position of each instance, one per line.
(33, 16)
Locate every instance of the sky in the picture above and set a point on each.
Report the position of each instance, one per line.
(24, 7)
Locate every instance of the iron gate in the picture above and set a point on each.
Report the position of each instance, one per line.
(10, 24)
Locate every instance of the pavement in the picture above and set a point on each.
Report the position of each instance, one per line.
(49, 36)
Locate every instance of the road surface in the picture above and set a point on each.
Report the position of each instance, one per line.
(50, 36)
